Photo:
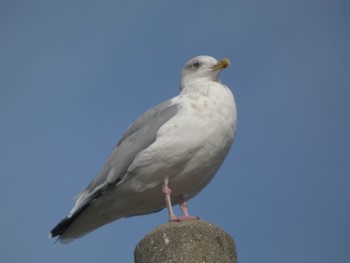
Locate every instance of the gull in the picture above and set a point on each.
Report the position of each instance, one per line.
(166, 157)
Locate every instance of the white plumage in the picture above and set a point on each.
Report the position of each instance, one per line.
(171, 151)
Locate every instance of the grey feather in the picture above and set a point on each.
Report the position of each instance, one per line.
(138, 136)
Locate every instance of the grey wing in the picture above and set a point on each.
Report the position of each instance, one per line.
(138, 137)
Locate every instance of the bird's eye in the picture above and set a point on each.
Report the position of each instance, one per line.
(196, 64)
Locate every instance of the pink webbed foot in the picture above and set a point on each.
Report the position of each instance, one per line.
(185, 215)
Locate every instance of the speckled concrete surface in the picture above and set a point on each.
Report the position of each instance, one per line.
(188, 242)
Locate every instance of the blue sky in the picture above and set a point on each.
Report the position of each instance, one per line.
(75, 74)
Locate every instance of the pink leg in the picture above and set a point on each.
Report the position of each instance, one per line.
(167, 192)
(184, 208)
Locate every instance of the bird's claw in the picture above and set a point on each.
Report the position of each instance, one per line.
(183, 218)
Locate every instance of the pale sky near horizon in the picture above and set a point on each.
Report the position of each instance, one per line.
(75, 74)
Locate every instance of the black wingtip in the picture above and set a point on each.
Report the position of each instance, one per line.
(61, 227)
(65, 223)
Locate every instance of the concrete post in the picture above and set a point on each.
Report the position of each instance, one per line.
(189, 241)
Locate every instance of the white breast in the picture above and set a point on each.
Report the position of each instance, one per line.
(190, 147)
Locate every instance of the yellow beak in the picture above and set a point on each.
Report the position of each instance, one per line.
(221, 64)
